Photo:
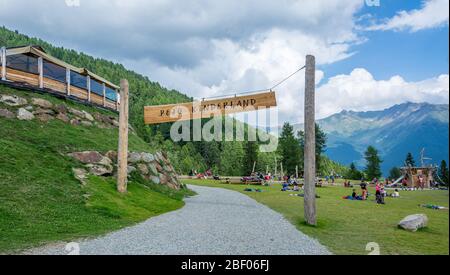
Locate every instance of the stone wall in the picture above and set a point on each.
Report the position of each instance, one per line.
(43, 110)
(153, 167)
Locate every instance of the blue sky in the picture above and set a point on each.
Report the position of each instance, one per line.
(369, 58)
(415, 56)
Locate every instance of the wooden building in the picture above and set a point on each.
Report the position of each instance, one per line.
(414, 174)
(32, 66)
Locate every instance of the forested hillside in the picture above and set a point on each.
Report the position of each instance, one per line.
(225, 158)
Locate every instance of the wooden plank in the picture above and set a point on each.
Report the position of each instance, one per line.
(78, 92)
(23, 77)
(54, 85)
(206, 109)
(97, 99)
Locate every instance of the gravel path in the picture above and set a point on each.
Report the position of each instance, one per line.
(216, 222)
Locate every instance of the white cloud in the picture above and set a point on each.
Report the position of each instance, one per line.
(359, 91)
(433, 13)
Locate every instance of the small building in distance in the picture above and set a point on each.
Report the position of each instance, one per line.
(33, 67)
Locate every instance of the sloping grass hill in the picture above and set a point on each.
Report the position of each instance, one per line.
(40, 199)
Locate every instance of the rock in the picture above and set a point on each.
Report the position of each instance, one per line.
(61, 108)
(155, 180)
(414, 222)
(13, 100)
(159, 167)
(44, 117)
(80, 174)
(152, 169)
(100, 170)
(143, 169)
(76, 112)
(112, 155)
(131, 169)
(75, 122)
(23, 114)
(63, 117)
(164, 179)
(29, 108)
(88, 157)
(134, 157)
(42, 103)
(88, 116)
(115, 123)
(87, 123)
(6, 113)
(147, 157)
(41, 111)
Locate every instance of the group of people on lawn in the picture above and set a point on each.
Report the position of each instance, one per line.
(380, 192)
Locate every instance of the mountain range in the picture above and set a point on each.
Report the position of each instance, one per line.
(403, 128)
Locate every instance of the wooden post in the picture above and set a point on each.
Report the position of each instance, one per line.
(41, 72)
(104, 95)
(310, 142)
(3, 56)
(68, 81)
(88, 84)
(254, 167)
(117, 100)
(122, 156)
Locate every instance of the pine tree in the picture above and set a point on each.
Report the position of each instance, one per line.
(289, 149)
(321, 144)
(410, 160)
(373, 169)
(395, 173)
(353, 173)
(251, 156)
(443, 172)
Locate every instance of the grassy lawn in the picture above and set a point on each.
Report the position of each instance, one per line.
(40, 199)
(346, 227)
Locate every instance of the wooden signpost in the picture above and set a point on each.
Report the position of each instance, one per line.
(122, 156)
(310, 142)
(206, 109)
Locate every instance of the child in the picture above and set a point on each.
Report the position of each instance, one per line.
(354, 195)
(396, 194)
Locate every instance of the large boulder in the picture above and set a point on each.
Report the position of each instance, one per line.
(61, 108)
(63, 117)
(44, 117)
(134, 157)
(88, 157)
(42, 111)
(88, 116)
(147, 157)
(6, 113)
(42, 103)
(100, 170)
(23, 114)
(76, 112)
(152, 169)
(80, 174)
(13, 100)
(414, 222)
(143, 169)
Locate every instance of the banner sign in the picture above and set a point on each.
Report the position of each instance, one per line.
(208, 108)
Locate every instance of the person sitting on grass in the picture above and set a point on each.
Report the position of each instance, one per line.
(296, 187)
(354, 195)
(396, 194)
(285, 187)
(364, 190)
